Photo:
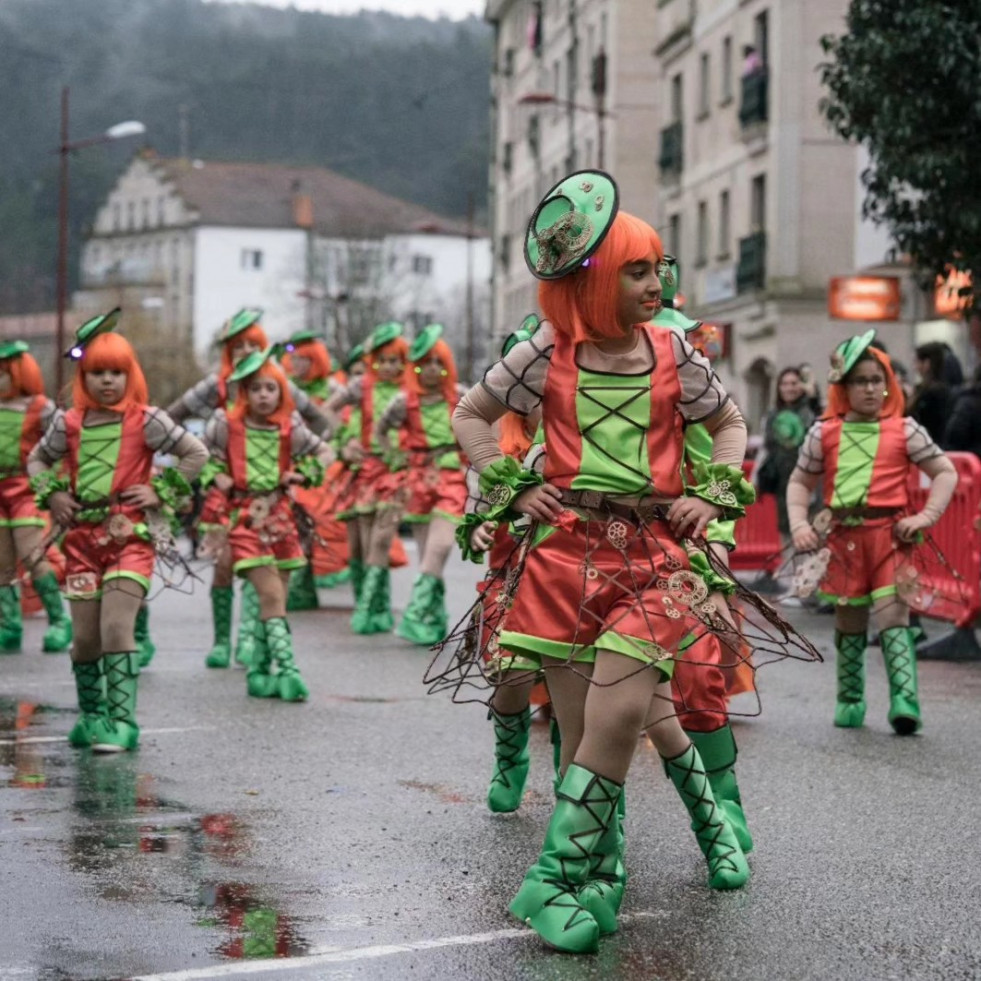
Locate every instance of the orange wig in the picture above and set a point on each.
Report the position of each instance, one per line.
(316, 353)
(255, 334)
(110, 352)
(25, 375)
(895, 403)
(583, 305)
(285, 408)
(442, 351)
(399, 346)
(513, 438)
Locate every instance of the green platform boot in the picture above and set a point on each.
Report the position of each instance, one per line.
(507, 785)
(602, 895)
(899, 653)
(58, 636)
(259, 679)
(425, 621)
(220, 654)
(302, 593)
(11, 624)
(357, 569)
(248, 618)
(555, 738)
(726, 862)
(91, 704)
(850, 667)
(585, 807)
(141, 634)
(373, 613)
(718, 752)
(290, 686)
(120, 732)
(331, 580)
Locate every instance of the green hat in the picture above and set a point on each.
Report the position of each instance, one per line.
(243, 320)
(424, 341)
(252, 362)
(668, 316)
(102, 324)
(525, 332)
(847, 354)
(381, 336)
(303, 337)
(12, 349)
(355, 354)
(570, 223)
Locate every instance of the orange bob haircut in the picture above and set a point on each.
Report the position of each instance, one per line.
(283, 412)
(110, 352)
(448, 383)
(316, 353)
(25, 375)
(399, 346)
(513, 439)
(255, 334)
(583, 305)
(895, 404)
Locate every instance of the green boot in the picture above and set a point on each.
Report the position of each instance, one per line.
(718, 752)
(221, 616)
(332, 579)
(141, 634)
(58, 636)
(425, 621)
(510, 761)
(373, 613)
(91, 703)
(850, 666)
(302, 594)
(555, 737)
(120, 732)
(899, 653)
(245, 645)
(547, 901)
(357, 569)
(602, 895)
(726, 862)
(289, 685)
(259, 679)
(11, 625)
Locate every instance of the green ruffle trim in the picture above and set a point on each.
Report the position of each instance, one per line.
(46, 483)
(211, 470)
(501, 483)
(463, 531)
(312, 471)
(175, 494)
(702, 568)
(724, 486)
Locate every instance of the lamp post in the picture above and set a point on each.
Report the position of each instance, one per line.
(65, 147)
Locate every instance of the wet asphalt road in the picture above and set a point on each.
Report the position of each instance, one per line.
(348, 837)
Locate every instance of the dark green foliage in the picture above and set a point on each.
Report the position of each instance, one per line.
(906, 81)
(399, 103)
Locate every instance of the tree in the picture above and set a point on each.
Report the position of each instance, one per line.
(905, 80)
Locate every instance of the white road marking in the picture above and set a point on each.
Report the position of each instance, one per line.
(20, 741)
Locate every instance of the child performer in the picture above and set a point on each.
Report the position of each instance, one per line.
(108, 503)
(864, 448)
(606, 594)
(25, 413)
(372, 505)
(437, 485)
(255, 445)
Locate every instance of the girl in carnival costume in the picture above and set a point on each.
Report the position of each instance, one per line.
(110, 506)
(436, 482)
(606, 593)
(260, 449)
(241, 336)
(863, 541)
(372, 505)
(25, 413)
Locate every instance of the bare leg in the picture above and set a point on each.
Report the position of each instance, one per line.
(439, 541)
(8, 557)
(568, 686)
(223, 577)
(86, 626)
(121, 600)
(271, 587)
(27, 543)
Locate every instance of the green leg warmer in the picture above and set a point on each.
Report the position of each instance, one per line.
(259, 679)
(302, 593)
(899, 653)
(220, 654)
(121, 732)
(91, 704)
(507, 784)
(850, 666)
(425, 620)
(249, 617)
(602, 895)
(11, 624)
(373, 613)
(548, 901)
(555, 737)
(58, 636)
(357, 569)
(141, 633)
(726, 862)
(332, 579)
(718, 752)
(289, 685)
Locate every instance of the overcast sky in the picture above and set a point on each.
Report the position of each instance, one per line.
(455, 9)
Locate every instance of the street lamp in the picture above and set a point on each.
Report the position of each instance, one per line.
(121, 130)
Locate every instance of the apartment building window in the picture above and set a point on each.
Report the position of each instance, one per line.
(726, 73)
(724, 231)
(251, 259)
(674, 236)
(757, 214)
(161, 210)
(146, 212)
(703, 85)
(131, 215)
(702, 235)
(677, 98)
(422, 265)
(116, 216)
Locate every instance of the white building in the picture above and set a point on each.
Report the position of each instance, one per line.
(190, 243)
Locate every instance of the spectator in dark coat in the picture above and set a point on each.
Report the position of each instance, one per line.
(963, 430)
(931, 402)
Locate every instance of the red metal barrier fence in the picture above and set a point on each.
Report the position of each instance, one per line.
(757, 536)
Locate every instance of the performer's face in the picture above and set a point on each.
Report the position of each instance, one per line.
(389, 366)
(357, 369)
(640, 293)
(107, 386)
(263, 396)
(301, 365)
(430, 373)
(242, 348)
(6, 383)
(866, 385)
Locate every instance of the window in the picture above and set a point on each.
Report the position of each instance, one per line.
(116, 216)
(146, 212)
(251, 259)
(674, 235)
(757, 215)
(724, 224)
(161, 210)
(703, 85)
(726, 76)
(131, 215)
(676, 98)
(702, 236)
(422, 265)
(761, 36)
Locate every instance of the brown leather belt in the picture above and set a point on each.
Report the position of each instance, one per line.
(631, 508)
(868, 513)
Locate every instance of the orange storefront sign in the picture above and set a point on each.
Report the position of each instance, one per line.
(953, 293)
(864, 298)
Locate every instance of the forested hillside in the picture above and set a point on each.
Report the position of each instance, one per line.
(400, 103)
